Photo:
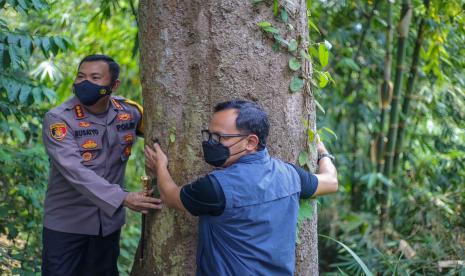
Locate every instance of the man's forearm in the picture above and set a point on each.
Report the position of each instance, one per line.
(169, 191)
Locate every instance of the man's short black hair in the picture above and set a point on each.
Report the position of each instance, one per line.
(113, 66)
(251, 118)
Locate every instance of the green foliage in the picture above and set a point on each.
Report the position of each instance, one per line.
(363, 266)
(41, 44)
(427, 189)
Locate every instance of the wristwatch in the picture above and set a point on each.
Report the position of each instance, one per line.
(330, 156)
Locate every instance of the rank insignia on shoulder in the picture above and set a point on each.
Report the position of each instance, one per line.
(58, 131)
(116, 104)
(84, 124)
(79, 112)
(128, 138)
(87, 156)
(89, 144)
(124, 116)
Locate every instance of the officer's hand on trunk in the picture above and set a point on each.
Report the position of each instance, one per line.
(155, 157)
(139, 202)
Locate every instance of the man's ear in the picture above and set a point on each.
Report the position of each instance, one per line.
(252, 142)
(115, 85)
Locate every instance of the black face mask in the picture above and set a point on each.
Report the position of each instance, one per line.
(89, 93)
(216, 154)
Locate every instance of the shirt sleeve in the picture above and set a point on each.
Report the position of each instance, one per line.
(65, 156)
(308, 182)
(203, 197)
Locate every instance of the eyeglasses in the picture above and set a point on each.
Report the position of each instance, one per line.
(207, 136)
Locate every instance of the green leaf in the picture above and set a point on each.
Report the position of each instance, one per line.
(22, 4)
(323, 80)
(320, 107)
(323, 54)
(281, 40)
(50, 94)
(272, 30)
(355, 256)
(172, 137)
(311, 135)
(330, 131)
(305, 210)
(18, 133)
(59, 42)
(275, 7)
(13, 57)
(37, 95)
(24, 94)
(26, 45)
(284, 16)
(348, 62)
(45, 45)
(294, 64)
(313, 26)
(303, 157)
(264, 24)
(38, 4)
(12, 88)
(292, 45)
(296, 84)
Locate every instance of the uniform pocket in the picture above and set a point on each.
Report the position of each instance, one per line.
(90, 148)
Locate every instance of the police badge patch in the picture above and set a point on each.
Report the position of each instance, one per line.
(87, 156)
(58, 131)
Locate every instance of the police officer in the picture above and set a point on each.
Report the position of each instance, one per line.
(248, 209)
(88, 139)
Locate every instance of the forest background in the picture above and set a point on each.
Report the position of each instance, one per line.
(400, 208)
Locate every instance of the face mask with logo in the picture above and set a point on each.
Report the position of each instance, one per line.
(216, 154)
(89, 93)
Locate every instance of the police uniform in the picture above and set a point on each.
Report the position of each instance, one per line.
(88, 156)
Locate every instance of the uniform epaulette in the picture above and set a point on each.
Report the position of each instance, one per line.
(116, 104)
(140, 126)
(78, 112)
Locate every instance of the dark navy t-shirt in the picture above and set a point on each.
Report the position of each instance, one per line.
(205, 195)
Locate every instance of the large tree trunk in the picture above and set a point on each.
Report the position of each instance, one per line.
(195, 54)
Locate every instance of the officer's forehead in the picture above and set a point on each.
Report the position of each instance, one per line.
(93, 67)
(224, 121)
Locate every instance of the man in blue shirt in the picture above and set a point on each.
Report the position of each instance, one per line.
(248, 209)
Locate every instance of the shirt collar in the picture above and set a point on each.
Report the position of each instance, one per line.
(248, 158)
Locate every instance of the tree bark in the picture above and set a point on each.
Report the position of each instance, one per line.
(195, 54)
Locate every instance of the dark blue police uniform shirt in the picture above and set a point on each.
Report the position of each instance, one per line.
(205, 195)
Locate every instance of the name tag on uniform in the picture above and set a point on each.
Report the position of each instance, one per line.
(85, 132)
(125, 126)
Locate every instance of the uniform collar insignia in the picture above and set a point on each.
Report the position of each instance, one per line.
(79, 112)
(116, 104)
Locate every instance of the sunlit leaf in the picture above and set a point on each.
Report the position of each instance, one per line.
(323, 55)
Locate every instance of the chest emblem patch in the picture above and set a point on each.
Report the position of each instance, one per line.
(128, 138)
(87, 156)
(127, 151)
(124, 117)
(58, 131)
(89, 144)
(84, 124)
